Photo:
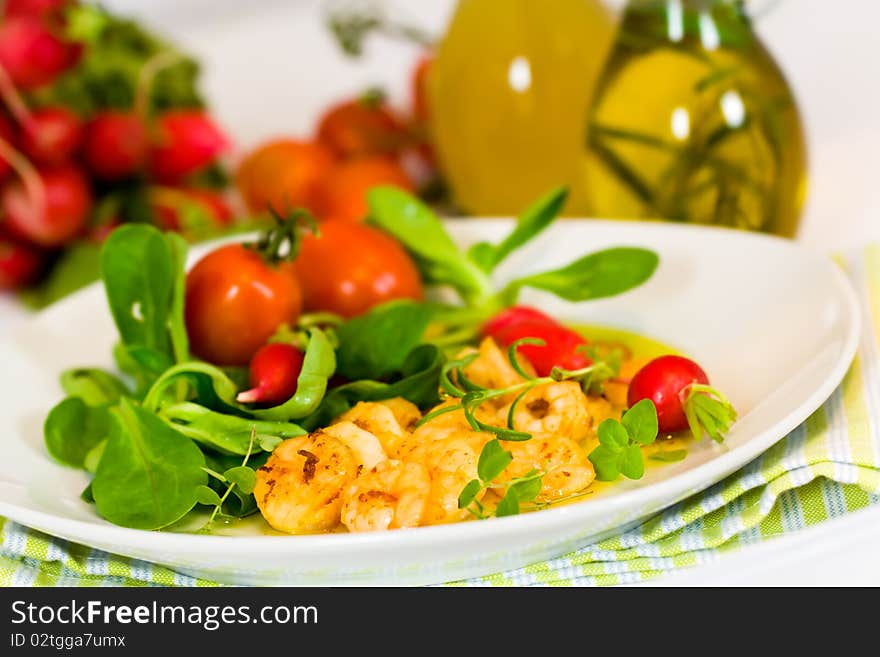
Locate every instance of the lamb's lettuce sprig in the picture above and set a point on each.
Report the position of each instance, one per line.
(604, 273)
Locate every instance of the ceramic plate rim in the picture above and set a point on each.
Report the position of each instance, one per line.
(687, 482)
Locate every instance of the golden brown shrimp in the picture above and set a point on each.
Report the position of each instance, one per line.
(365, 446)
(300, 487)
(559, 409)
(391, 495)
(405, 412)
(377, 419)
(492, 369)
(565, 464)
(452, 463)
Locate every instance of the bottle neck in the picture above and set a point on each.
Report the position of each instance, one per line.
(685, 5)
(711, 23)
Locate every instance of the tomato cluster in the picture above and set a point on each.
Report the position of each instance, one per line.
(238, 296)
(63, 171)
(357, 144)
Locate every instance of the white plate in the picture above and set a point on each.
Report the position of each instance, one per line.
(774, 325)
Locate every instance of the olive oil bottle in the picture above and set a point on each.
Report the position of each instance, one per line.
(693, 121)
(508, 92)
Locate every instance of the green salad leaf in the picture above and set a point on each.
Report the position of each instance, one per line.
(139, 278)
(149, 475)
(93, 386)
(529, 224)
(228, 434)
(73, 429)
(416, 382)
(216, 391)
(493, 459)
(376, 344)
(601, 274)
(619, 450)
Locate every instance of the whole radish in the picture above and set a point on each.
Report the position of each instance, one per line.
(36, 8)
(54, 219)
(681, 393)
(186, 141)
(274, 371)
(19, 264)
(31, 54)
(51, 135)
(514, 315)
(116, 145)
(562, 347)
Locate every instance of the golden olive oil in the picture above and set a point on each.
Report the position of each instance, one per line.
(693, 121)
(509, 90)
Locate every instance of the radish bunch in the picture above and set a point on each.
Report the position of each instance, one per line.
(100, 124)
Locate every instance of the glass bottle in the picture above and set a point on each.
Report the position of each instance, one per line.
(693, 121)
(508, 91)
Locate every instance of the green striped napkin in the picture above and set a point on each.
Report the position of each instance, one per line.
(827, 467)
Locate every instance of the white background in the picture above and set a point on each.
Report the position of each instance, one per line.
(270, 68)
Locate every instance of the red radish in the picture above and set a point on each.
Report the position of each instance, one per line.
(116, 145)
(51, 135)
(35, 8)
(19, 264)
(274, 371)
(514, 315)
(561, 348)
(62, 214)
(171, 206)
(188, 141)
(681, 393)
(31, 54)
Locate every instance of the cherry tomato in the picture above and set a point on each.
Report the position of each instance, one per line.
(274, 371)
(68, 201)
(116, 145)
(51, 135)
(514, 315)
(188, 141)
(361, 127)
(561, 348)
(19, 264)
(235, 301)
(343, 193)
(31, 53)
(665, 381)
(282, 174)
(351, 267)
